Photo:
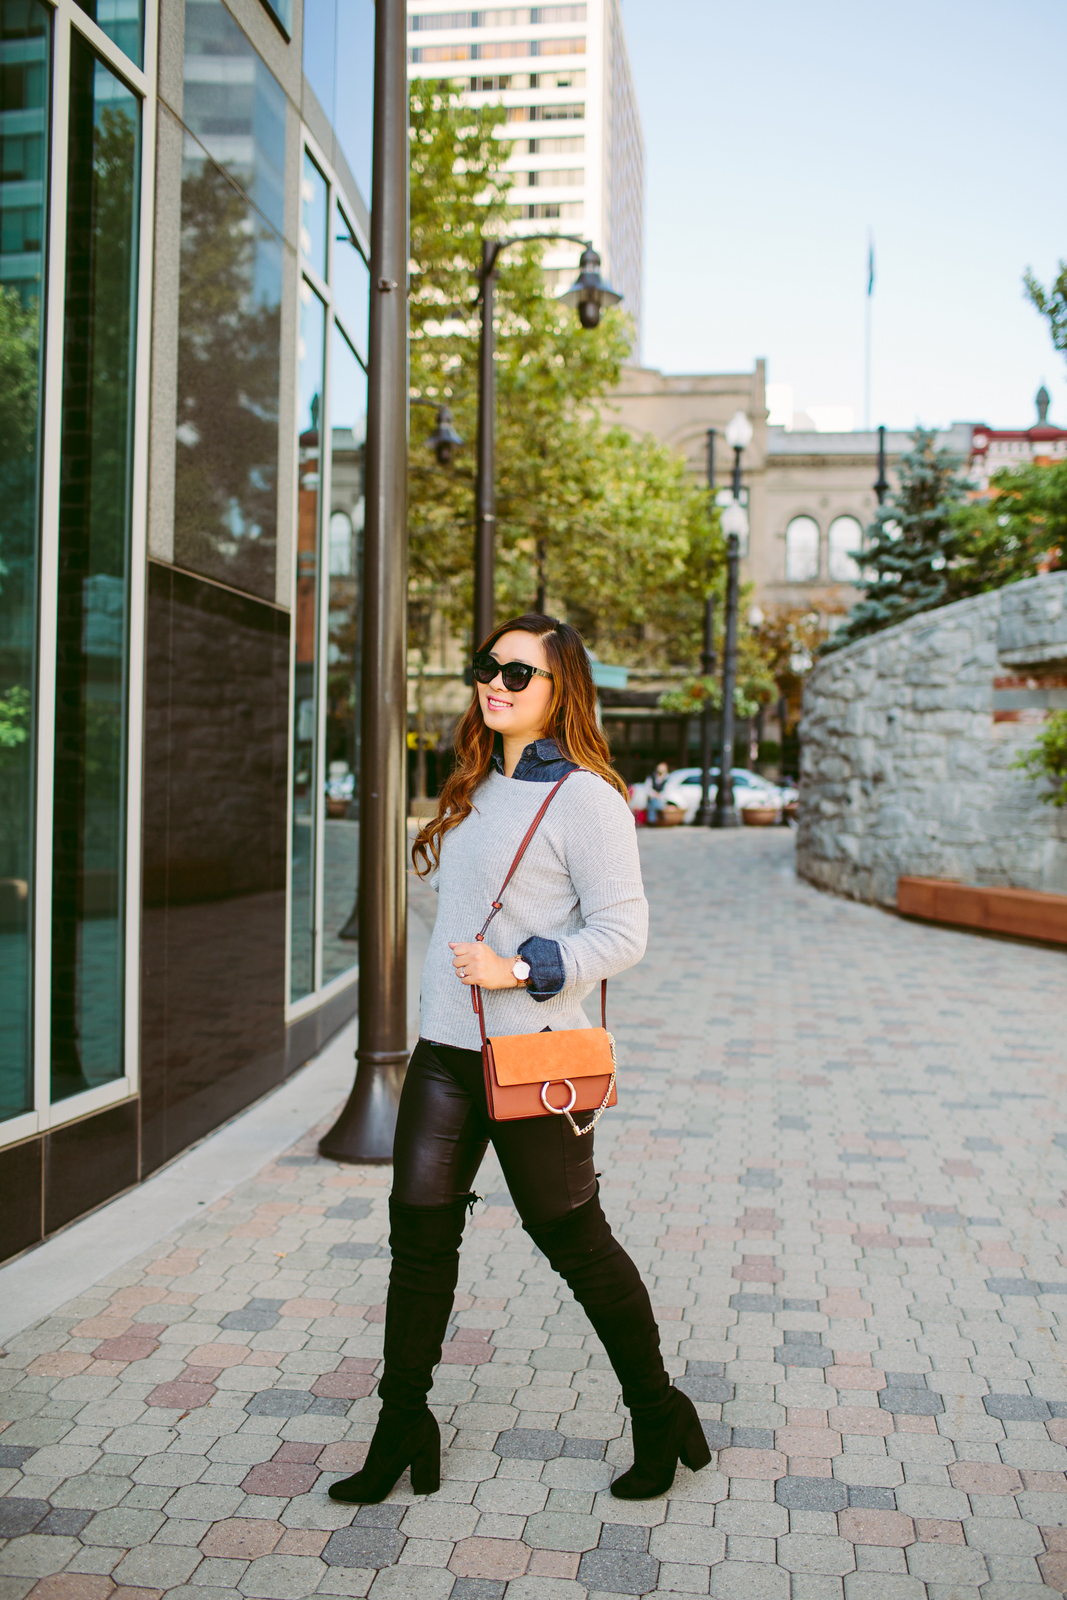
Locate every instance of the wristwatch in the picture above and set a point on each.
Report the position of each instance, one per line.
(521, 970)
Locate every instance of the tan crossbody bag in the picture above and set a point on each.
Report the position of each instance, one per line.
(546, 1074)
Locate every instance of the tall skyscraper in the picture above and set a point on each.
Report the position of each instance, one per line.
(563, 74)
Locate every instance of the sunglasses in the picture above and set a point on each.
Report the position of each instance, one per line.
(516, 675)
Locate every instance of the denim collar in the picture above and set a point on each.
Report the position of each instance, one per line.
(540, 762)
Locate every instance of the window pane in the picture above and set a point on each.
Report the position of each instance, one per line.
(25, 52)
(348, 414)
(122, 21)
(306, 782)
(802, 550)
(320, 52)
(283, 10)
(229, 351)
(88, 855)
(342, 38)
(351, 283)
(235, 106)
(355, 99)
(314, 201)
(844, 537)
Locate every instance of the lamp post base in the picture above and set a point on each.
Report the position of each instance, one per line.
(705, 817)
(363, 1133)
(726, 819)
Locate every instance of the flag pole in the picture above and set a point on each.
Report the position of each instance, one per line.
(867, 334)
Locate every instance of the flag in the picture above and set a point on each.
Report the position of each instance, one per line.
(870, 265)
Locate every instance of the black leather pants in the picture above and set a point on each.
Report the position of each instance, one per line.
(443, 1129)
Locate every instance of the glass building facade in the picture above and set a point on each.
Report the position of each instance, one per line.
(184, 295)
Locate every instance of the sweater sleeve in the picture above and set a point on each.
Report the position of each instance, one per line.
(605, 869)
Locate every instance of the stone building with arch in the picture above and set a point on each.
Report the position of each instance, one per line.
(809, 493)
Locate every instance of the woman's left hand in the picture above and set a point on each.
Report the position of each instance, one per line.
(477, 963)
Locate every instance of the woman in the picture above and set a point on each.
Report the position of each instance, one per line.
(574, 913)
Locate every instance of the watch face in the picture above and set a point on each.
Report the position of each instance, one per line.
(521, 970)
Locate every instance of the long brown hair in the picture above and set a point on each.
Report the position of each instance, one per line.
(571, 721)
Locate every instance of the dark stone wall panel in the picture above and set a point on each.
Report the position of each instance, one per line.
(213, 950)
(21, 1224)
(87, 1162)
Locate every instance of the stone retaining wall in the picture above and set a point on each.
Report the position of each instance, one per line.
(908, 740)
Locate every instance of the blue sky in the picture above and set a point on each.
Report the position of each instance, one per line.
(777, 133)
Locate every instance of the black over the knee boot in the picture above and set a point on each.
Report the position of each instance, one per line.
(608, 1287)
(424, 1241)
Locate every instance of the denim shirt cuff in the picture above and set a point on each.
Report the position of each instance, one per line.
(546, 967)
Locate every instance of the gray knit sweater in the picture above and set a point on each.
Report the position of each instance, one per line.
(579, 883)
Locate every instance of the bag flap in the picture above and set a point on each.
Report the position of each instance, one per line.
(551, 1057)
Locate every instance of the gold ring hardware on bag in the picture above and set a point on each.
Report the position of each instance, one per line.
(558, 1110)
(521, 1068)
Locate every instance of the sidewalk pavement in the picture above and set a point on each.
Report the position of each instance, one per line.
(840, 1158)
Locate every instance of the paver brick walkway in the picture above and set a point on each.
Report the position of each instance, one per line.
(840, 1157)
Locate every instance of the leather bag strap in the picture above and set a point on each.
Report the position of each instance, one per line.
(497, 904)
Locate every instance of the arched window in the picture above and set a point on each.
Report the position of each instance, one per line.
(340, 545)
(845, 536)
(802, 550)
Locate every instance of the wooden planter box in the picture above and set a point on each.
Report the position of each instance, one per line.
(1026, 913)
(670, 817)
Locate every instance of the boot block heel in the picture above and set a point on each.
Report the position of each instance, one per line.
(694, 1451)
(426, 1471)
(400, 1440)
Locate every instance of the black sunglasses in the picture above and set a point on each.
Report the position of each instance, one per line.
(516, 675)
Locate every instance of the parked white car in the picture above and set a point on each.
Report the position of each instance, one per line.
(683, 789)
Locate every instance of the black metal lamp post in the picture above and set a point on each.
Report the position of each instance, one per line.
(735, 526)
(881, 487)
(590, 295)
(705, 810)
(725, 816)
(364, 1130)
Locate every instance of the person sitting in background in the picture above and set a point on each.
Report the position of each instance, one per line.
(656, 785)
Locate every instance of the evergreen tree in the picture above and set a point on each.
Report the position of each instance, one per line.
(910, 544)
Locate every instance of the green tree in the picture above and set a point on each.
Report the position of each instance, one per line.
(1047, 758)
(1052, 303)
(910, 544)
(1019, 531)
(608, 528)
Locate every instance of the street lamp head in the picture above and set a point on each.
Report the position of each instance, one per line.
(589, 294)
(735, 524)
(739, 431)
(444, 438)
(734, 521)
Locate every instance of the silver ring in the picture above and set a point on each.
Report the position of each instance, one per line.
(559, 1110)
(463, 972)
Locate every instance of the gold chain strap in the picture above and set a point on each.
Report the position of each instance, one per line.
(603, 1106)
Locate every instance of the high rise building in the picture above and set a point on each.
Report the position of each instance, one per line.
(563, 74)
